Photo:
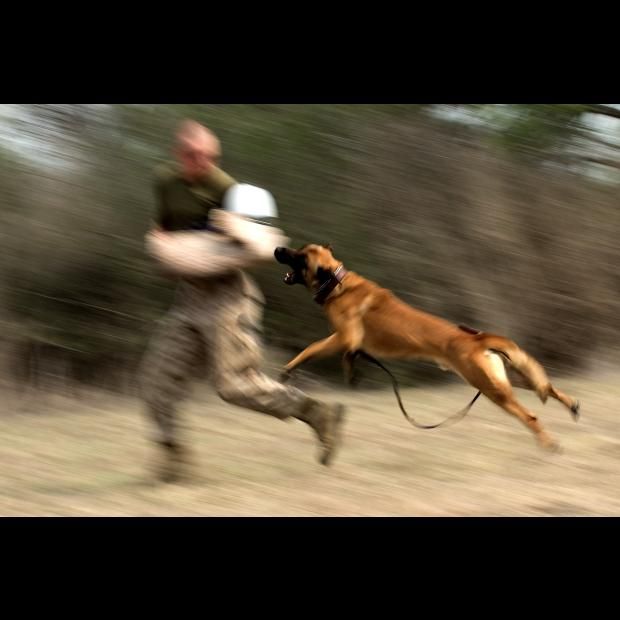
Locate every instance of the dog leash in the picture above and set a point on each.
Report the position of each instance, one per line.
(455, 418)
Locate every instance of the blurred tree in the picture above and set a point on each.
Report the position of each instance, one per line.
(428, 207)
(558, 131)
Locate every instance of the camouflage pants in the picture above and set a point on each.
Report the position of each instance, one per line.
(218, 321)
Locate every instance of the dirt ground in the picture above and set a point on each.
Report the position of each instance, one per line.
(90, 456)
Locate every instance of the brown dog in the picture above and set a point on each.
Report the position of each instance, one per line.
(366, 317)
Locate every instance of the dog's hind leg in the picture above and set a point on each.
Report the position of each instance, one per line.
(487, 374)
(509, 403)
(567, 401)
(520, 381)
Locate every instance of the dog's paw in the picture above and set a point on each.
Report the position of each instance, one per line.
(575, 410)
(354, 380)
(285, 376)
(551, 445)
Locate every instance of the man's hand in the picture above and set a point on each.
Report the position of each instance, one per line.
(258, 238)
(228, 223)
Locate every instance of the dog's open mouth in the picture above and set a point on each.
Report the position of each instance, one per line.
(289, 257)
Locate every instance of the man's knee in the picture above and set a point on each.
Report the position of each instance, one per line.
(255, 391)
(234, 390)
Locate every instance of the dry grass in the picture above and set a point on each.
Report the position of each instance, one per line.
(61, 456)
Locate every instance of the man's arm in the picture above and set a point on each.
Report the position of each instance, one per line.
(203, 254)
(257, 240)
(242, 244)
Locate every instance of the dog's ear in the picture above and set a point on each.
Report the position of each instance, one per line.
(328, 246)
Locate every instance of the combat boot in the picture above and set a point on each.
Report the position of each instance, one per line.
(326, 421)
(174, 464)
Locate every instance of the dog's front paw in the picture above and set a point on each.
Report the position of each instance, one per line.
(285, 376)
(355, 380)
(574, 409)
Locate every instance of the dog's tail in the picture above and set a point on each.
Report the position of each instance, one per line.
(525, 364)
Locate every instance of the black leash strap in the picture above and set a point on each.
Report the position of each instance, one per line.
(455, 418)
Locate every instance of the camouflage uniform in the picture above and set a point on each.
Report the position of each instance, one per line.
(218, 320)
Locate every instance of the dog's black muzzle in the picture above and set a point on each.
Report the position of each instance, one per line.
(285, 256)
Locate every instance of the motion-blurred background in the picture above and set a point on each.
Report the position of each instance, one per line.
(502, 217)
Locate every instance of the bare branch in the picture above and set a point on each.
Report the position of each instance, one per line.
(597, 140)
(603, 161)
(606, 110)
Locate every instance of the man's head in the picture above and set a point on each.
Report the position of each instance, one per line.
(197, 150)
